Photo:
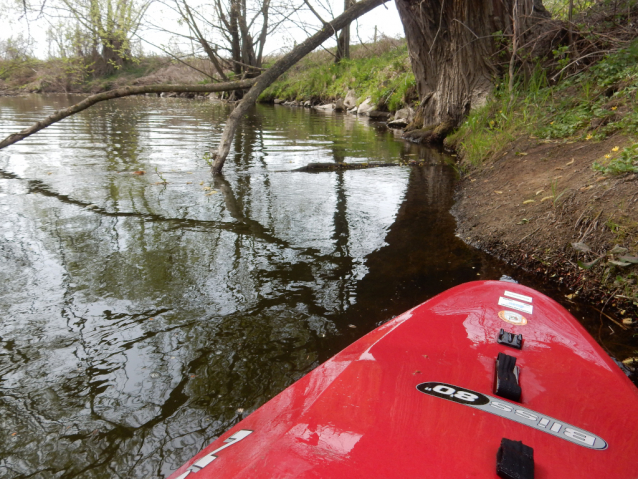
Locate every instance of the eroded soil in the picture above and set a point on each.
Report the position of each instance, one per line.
(532, 202)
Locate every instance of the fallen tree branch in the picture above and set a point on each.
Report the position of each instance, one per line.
(280, 67)
(119, 93)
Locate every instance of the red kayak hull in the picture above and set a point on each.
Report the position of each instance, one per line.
(361, 415)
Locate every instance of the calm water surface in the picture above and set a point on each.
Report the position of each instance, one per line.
(140, 320)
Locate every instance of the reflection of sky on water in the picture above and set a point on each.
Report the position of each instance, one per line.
(139, 317)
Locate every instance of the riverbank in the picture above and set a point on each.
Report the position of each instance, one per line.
(31, 75)
(378, 72)
(539, 198)
(550, 184)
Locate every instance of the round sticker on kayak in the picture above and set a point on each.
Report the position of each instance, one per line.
(512, 318)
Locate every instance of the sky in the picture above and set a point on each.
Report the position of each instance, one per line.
(385, 18)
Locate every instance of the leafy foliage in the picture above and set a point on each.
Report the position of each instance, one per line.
(626, 162)
(560, 8)
(379, 71)
(590, 106)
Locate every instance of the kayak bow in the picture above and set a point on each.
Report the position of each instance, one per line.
(486, 378)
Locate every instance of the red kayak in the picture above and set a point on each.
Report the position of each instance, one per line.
(488, 379)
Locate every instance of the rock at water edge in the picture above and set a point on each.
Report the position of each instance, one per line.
(366, 107)
(406, 114)
(328, 107)
(351, 100)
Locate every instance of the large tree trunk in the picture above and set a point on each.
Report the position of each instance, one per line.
(453, 53)
(234, 34)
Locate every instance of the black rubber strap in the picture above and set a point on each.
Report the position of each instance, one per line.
(514, 460)
(507, 378)
(510, 339)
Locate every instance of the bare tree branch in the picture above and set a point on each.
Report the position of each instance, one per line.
(119, 93)
(205, 45)
(281, 66)
(179, 59)
(316, 14)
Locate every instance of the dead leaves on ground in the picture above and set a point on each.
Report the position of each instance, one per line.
(621, 261)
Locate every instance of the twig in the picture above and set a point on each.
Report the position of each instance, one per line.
(611, 319)
(589, 228)
(439, 29)
(471, 31)
(359, 37)
(579, 59)
(625, 297)
(579, 218)
(316, 14)
(178, 59)
(514, 50)
(533, 232)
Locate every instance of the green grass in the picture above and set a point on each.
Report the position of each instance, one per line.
(560, 8)
(380, 71)
(588, 106)
(625, 162)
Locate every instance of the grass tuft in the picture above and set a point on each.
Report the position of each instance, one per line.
(590, 106)
(379, 71)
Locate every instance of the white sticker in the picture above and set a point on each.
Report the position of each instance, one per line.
(510, 303)
(210, 457)
(518, 296)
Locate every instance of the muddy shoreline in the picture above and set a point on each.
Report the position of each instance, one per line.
(530, 204)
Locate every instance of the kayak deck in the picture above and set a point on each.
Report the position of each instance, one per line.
(416, 398)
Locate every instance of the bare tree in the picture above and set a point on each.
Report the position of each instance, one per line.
(232, 33)
(255, 85)
(104, 27)
(343, 42)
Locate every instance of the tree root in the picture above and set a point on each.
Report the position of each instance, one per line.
(432, 134)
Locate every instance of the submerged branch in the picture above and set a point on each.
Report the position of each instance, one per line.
(119, 93)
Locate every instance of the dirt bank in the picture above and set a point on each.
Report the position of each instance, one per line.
(537, 198)
(40, 76)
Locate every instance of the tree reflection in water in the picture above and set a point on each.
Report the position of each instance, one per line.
(142, 320)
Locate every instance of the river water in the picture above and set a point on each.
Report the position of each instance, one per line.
(144, 315)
